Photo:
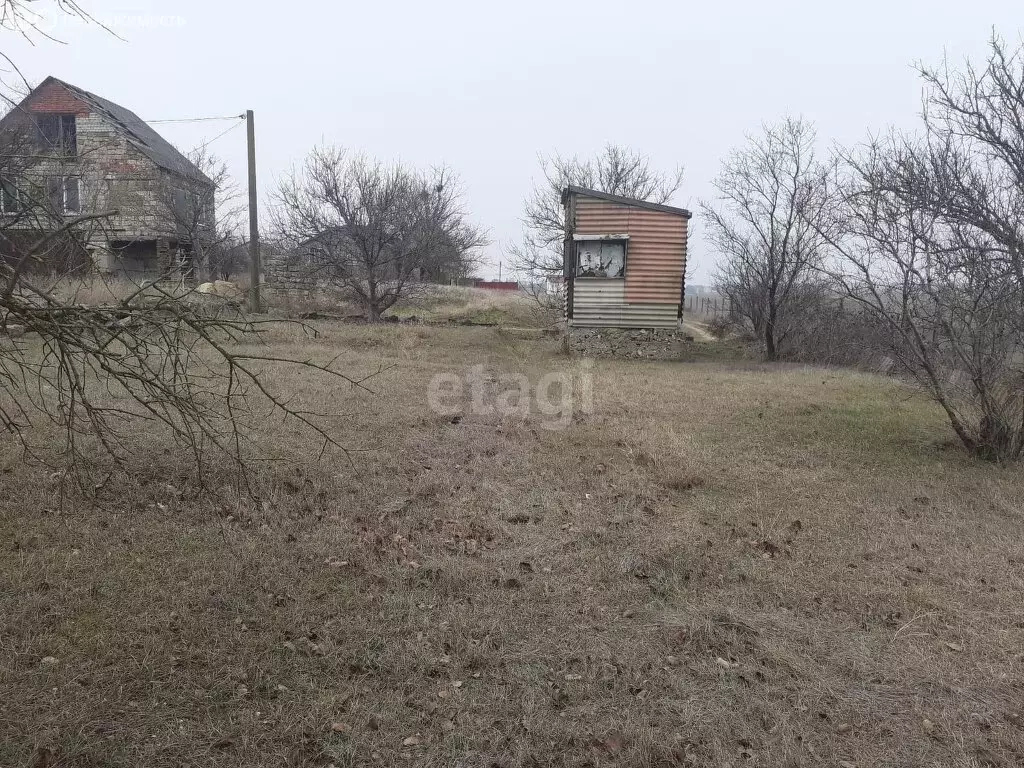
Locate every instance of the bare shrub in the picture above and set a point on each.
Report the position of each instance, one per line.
(722, 326)
(827, 328)
(206, 218)
(373, 230)
(930, 242)
(773, 193)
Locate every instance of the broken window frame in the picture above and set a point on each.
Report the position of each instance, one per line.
(612, 239)
(191, 209)
(64, 190)
(207, 214)
(180, 206)
(58, 132)
(12, 199)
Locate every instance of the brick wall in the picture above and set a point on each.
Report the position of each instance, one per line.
(115, 176)
(55, 98)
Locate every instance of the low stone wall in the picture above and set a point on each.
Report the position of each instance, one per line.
(287, 276)
(642, 343)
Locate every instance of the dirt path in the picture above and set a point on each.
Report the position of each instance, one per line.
(698, 331)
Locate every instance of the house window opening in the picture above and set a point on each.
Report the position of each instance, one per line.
(10, 198)
(60, 133)
(66, 194)
(601, 258)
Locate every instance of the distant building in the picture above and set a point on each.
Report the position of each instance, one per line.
(497, 285)
(96, 156)
(700, 290)
(336, 251)
(554, 284)
(624, 261)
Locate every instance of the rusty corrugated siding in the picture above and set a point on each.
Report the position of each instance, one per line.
(601, 303)
(599, 292)
(656, 254)
(599, 217)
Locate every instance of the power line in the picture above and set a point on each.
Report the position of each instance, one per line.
(205, 144)
(140, 121)
(194, 119)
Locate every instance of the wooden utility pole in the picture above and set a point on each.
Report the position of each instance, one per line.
(254, 221)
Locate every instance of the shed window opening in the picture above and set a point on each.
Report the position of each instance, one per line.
(60, 133)
(601, 258)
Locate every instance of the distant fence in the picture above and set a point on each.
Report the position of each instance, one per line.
(706, 305)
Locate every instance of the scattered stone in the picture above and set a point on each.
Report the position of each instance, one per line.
(49, 661)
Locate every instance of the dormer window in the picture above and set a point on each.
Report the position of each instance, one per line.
(59, 133)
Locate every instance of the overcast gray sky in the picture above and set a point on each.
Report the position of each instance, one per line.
(485, 86)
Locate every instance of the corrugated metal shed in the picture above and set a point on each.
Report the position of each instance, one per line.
(650, 295)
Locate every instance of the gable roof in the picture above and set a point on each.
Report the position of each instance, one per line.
(331, 237)
(571, 190)
(139, 134)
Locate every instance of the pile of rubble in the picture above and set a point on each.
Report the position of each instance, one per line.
(642, 343)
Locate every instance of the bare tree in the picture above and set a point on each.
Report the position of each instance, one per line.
(616, 170)
(931, 242)
(772, 196)
(205, 219)
(377, 230)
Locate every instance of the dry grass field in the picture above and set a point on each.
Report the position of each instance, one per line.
(430, 304)
(720, 564)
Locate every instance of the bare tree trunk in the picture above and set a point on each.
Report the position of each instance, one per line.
(770, 352)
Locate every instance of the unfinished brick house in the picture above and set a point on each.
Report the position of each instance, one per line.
(93, 156)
